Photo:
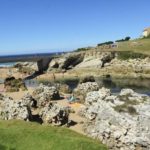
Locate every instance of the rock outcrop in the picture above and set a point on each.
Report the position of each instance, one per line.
(67, 61)
(26, 67)
(83, 88)
(119, 121)
(54, 114)
(135, 66)
(94, 59)
(10, 109)
(44, 94)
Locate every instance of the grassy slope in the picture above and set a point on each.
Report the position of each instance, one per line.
(139, 45)
(19, 135)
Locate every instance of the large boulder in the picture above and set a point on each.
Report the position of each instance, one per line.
(118, 129)
(54, 114)
(10, 109)
(83, 88)
(44, 94)
(14, 85)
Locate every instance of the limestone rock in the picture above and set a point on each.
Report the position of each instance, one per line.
(83, 88)
(10, 109)
(118, 130)
(44, 94)
(54, 114)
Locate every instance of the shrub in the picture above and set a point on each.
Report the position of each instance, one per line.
(125, 39)
(105, 43)
(82, 49)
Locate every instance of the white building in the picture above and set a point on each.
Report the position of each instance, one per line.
(146, 32)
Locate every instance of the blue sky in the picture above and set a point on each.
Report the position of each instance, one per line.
(46, 25)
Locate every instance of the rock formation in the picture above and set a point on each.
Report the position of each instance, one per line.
(54, 114)
(119, 121)
(83, 88)
(11, 109)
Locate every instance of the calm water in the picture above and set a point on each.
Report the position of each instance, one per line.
(139, 85)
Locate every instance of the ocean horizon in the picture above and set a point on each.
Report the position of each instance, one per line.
(9, 64)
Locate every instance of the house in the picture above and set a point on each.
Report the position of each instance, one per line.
(146, 32)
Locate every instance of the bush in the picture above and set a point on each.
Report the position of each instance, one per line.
(82, 49)
(105, 43)
(125, 39)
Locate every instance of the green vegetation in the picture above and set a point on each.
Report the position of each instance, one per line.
(124, 55)
(141, 46)
(105, 43)
(127, 106)
(125, 39)
(20, 135)
(83, 49)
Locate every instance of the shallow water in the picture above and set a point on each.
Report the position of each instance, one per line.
(138, 85)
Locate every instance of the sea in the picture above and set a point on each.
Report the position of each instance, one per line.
(3, 65)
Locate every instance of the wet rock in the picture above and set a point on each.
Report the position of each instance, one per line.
(44, 94)
(54, 114)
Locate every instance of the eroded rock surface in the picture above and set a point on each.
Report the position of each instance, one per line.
(44, 94)
(54, 114)
(83, 88)
(10, 109)
(119, 121)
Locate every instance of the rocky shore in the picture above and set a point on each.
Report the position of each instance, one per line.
(120, 121)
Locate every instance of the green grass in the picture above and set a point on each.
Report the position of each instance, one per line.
(138, 46)
(20, 135)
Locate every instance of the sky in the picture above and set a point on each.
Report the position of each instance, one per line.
(37, 26)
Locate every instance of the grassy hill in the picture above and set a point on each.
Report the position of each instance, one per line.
(20, 135)
(141, 46)
(138, 46)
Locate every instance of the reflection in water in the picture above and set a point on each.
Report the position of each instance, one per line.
(138, 85)
(31, 83)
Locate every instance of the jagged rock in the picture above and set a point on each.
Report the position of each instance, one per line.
(44, 94)
(14, 85)
(54, 114)
(29, 100)
(10, 109)
(118, 130)
(83, 88)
